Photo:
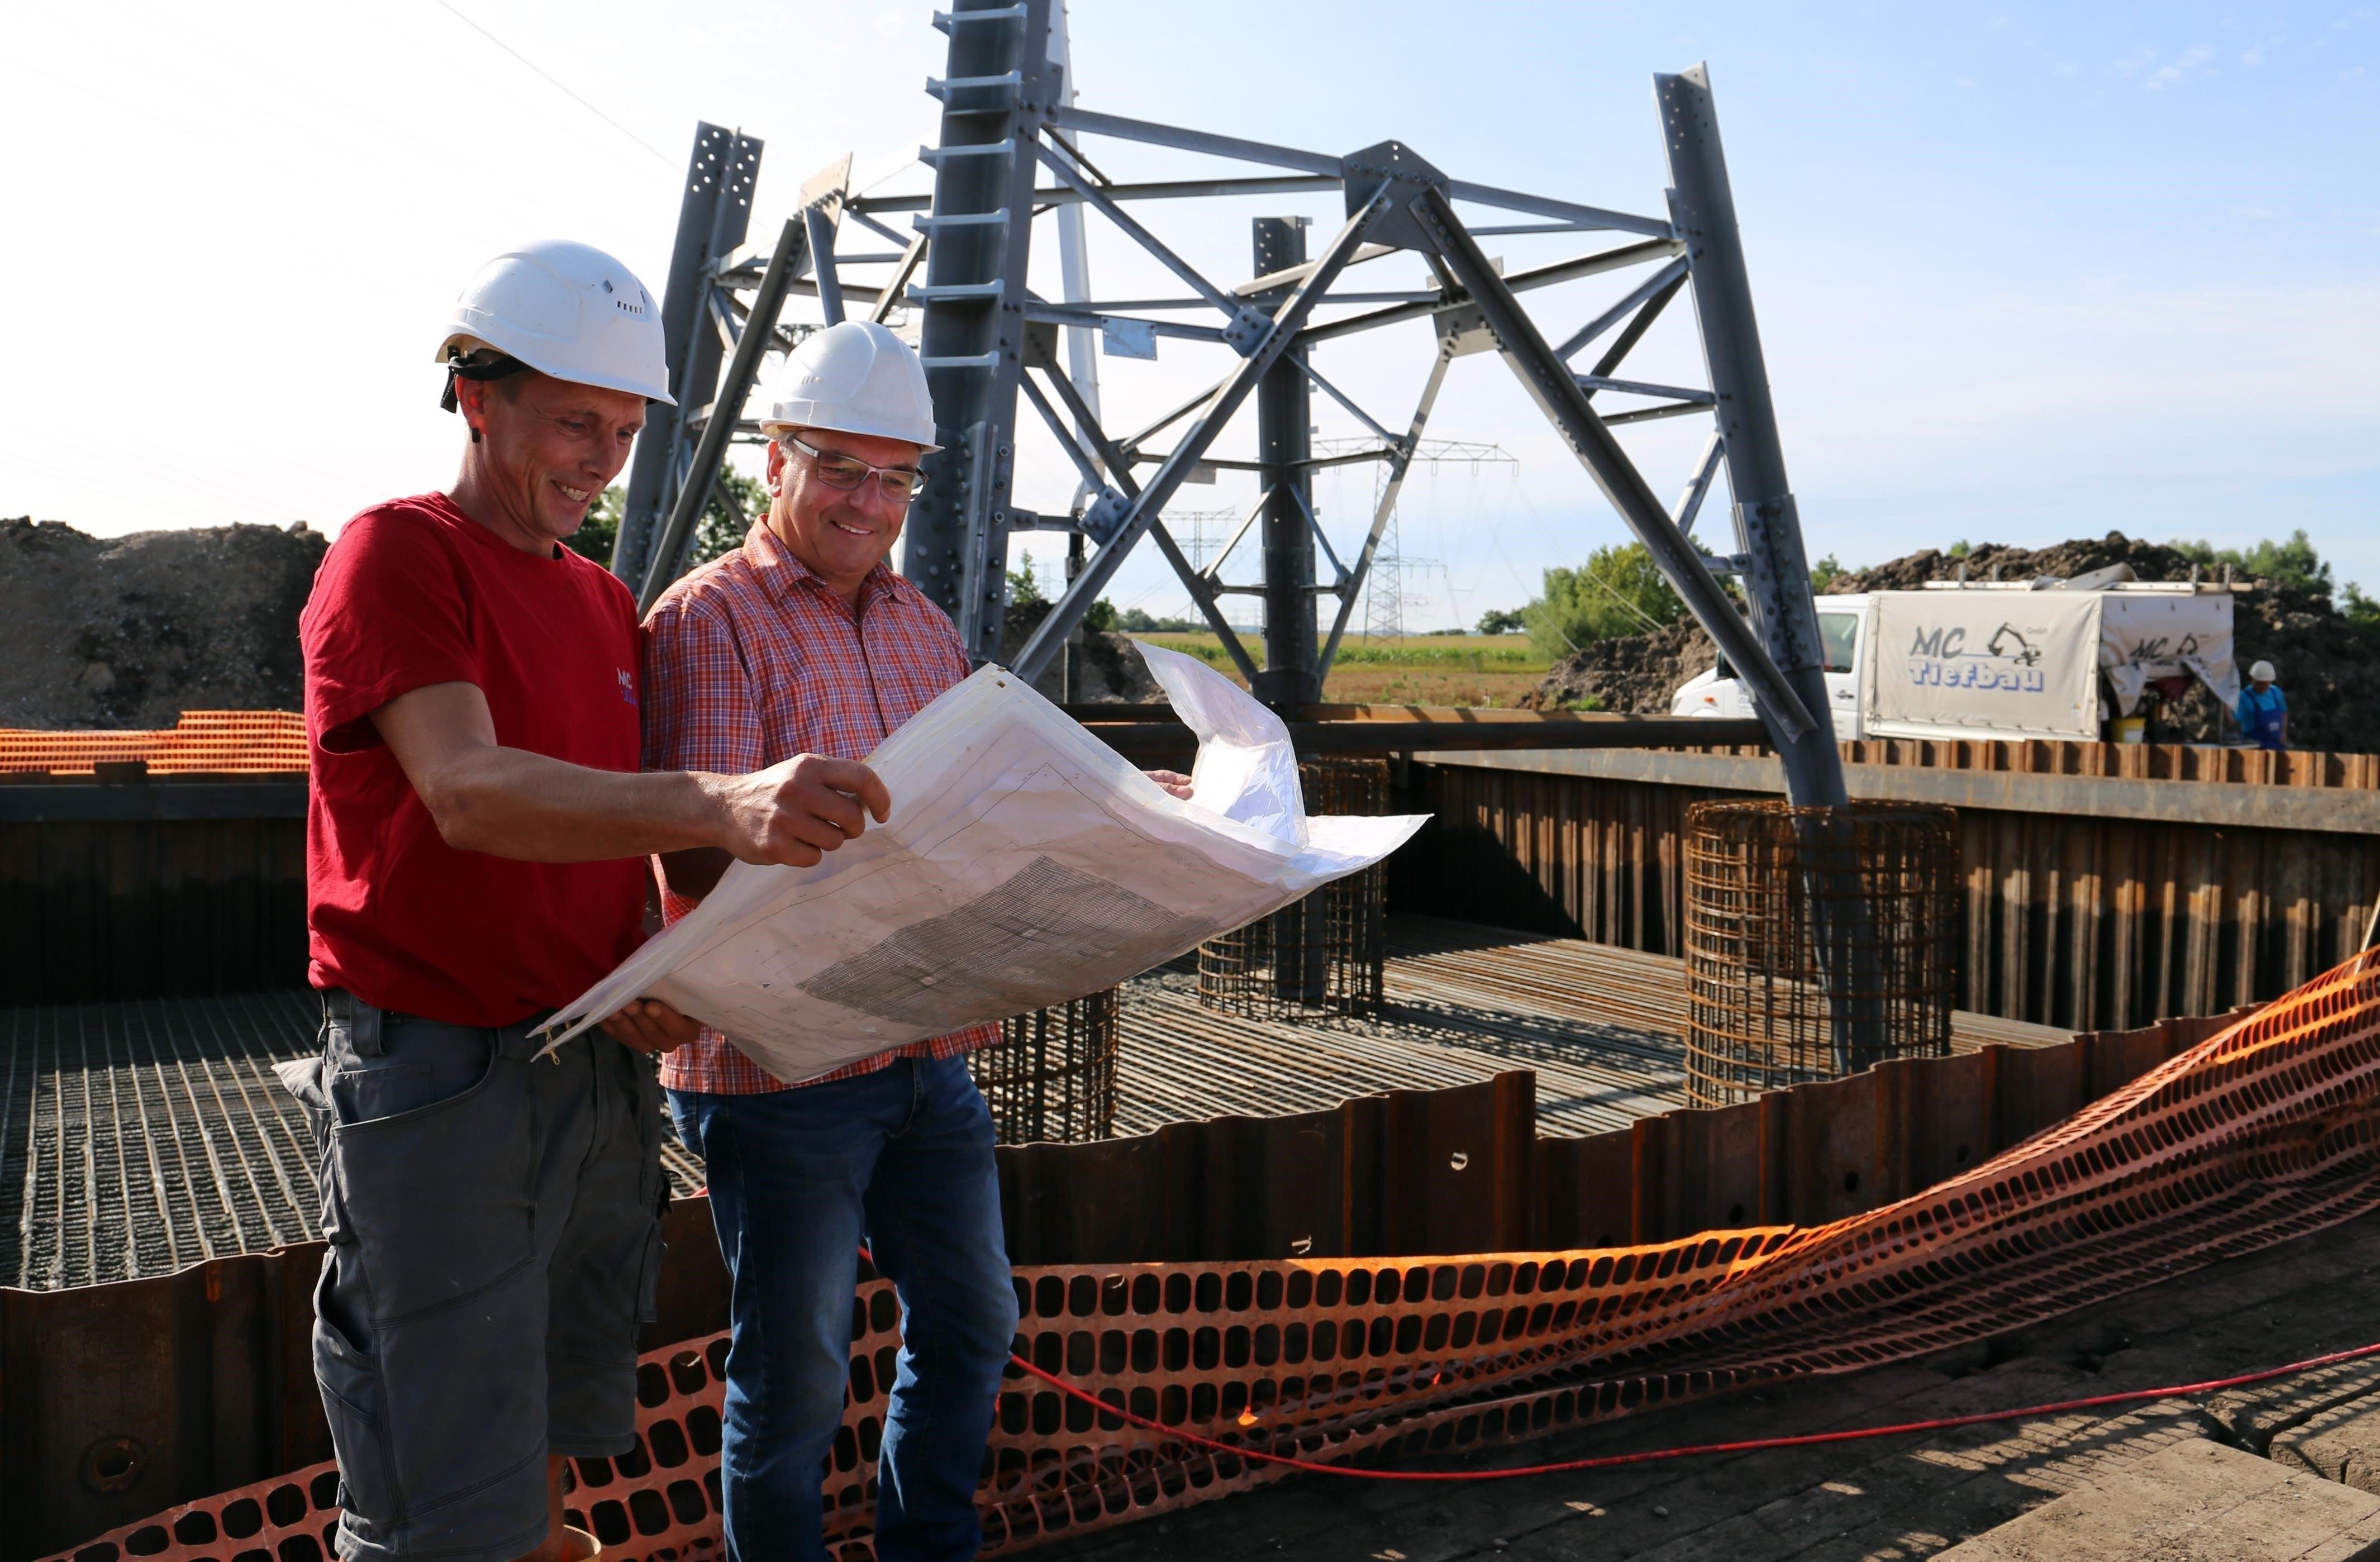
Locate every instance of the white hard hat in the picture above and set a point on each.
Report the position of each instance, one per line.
(2262, 674)
(565, 309)
(855, 378)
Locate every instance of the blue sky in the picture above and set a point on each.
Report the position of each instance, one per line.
(2023, 273)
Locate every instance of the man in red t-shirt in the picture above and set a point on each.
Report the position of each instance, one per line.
(477, 841)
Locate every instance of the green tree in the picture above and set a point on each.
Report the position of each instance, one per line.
(2360, 611)
(1502, 621)
(736, 501)
(1619, 592)
(720, 530)
(1024, 591)
(1136, 621)
(2291, 562)
(1823, 573)
(600, 532)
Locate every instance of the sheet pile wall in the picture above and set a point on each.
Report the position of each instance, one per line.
(2265, 1131)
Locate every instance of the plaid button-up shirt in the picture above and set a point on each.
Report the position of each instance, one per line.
(752, 659)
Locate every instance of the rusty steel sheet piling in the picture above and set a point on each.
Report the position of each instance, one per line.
(2077, 920)
(205, 1371)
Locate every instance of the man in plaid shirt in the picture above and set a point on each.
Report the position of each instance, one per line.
(804, 641)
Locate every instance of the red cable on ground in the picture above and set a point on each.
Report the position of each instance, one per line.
(1753, 1445)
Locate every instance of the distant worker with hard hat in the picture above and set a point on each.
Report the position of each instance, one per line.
(477, 836)
(2264, 713)
(805, 639)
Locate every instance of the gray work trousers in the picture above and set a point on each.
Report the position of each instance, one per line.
(494, 1242)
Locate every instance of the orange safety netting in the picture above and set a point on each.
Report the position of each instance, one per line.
(213, 742)
(2267, 1130)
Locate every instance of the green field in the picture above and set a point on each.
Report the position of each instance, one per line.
(1475, 669)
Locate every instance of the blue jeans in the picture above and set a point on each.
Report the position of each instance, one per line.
(902, 1160)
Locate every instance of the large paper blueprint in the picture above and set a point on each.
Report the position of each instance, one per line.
(1026, 863)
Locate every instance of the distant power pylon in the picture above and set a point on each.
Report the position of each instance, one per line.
(1201, 532)
(1385, 595)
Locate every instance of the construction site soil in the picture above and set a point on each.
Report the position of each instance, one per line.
(132, 631)
(2329, 669)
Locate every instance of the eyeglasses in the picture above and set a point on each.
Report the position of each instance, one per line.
(845, 473)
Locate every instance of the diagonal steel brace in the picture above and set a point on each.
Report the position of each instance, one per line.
(1192, 446)
(1551, 382)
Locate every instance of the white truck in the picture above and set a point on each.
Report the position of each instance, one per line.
(2038, 659)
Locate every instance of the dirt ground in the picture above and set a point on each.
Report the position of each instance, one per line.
(132, 631)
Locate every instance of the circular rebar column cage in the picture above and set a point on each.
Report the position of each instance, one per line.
(1819, 941)
(1324, 955)
(1051, 1076)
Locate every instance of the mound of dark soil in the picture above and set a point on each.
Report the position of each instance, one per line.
(1110, 671)
(1634, 674)
(2329, 669)
(132, 631)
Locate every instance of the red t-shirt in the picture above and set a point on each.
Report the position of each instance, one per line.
(414, 592)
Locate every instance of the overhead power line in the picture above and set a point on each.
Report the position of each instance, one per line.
(557, 83)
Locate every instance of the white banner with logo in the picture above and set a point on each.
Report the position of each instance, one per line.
(2147, 634)
(1990, 663)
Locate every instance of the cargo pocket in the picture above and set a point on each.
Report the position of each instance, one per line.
(355, 1404)
(438, 1195)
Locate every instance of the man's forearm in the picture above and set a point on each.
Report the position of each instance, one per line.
(510, 802)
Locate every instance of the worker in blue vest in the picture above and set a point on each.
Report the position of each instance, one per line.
(2264, 713)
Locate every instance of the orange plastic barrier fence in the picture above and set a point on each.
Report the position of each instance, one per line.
(2264, 1132)
(214, 742)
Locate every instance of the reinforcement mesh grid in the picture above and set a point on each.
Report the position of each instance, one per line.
(1051, 1075)
(2267, 1130)
(1819, 941)
(1326, 954)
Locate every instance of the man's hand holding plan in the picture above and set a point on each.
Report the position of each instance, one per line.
(1026, 863)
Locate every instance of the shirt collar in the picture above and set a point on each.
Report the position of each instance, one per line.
(775, 563)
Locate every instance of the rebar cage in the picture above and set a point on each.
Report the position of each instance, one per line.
(1326, 954)
(1051, 1076)
(1819, 941)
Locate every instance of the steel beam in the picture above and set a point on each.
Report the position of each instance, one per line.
(1557, 392)
(668, 561)
(1199, 583)
(819, 227)
(1160, 189)
(713, 217)
(1400, 457)
(1192, 446)
(1322, 162)
(1767, 526)
(1292, 677)
(1155, 740)
(1576, 341)
(1542, 276)
(972, 338)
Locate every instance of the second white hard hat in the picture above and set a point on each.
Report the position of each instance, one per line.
(2261, 672)
(855, 378)
(565, 310)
